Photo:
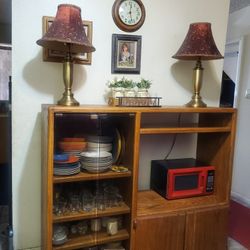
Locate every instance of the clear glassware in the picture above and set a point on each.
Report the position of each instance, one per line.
(82, 227)
(96, 225)
(112, 196)
(74, 203)
(100, 202)
(60, 207)
(60, 234)
(87, 201)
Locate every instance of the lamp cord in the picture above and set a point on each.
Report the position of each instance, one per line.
(174, 138)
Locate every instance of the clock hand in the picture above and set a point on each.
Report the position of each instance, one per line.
(130, 11)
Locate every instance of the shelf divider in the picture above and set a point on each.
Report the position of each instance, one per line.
(124, 209)
(183, 130)
(86, 176)
(92, 240)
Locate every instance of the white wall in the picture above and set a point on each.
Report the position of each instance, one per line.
(36, 82)
(241, 174)
(238, 24)
(239, 28)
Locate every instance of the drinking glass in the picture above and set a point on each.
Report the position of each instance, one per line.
(87, 202)
(75, 203)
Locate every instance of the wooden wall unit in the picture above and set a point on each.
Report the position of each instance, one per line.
(151, 222)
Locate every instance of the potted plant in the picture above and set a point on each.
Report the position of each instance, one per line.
(143, 87)
(128, 86)
(116, 87)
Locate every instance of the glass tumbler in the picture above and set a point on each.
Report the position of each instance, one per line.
(87, 202)
(75, 203)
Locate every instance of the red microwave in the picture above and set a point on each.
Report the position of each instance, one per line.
(181, 178)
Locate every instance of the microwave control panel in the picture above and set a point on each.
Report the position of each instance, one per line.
(210, 181)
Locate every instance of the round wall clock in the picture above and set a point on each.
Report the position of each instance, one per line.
(128, 15)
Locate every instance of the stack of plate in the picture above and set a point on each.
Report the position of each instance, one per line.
(100, 139)
(72, 146)
(69, 166)
(96, 162)
(99, 146)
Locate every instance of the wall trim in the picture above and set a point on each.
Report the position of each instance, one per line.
(240, 199)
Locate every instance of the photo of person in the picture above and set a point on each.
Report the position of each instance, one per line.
(126, 54)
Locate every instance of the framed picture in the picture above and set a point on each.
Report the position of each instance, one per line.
(5, 71)
(57, 56)
(126, 54)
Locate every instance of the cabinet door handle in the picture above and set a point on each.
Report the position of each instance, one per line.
(135, 224)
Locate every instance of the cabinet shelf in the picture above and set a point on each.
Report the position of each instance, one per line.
(124, 209)
(86, 176)
(92, 240)
(182, 130)
(151, 203)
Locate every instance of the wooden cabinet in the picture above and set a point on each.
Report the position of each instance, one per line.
(83, 122)
(148, 220)
(205, 216)
(163, 232)
(196, 229)
(207, 229)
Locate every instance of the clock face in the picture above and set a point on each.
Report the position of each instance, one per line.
(130, 12)
(128, 15)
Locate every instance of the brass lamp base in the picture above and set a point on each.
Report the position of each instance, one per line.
(196, 101)
(68, 97)
(68, 100)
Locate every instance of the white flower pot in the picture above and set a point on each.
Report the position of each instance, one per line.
(129, 93)
(117, 92)
(142, 93)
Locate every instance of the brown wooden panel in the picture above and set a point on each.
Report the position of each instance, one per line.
(160, 233)
(93, 239)
(197, 223)
(206, 229)
(86, 176)
(151, 203)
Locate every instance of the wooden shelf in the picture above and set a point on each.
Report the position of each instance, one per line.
(124, 209)
(86, 176)
(112, 109)
(92, 240)
(183, 130)
(151, 203)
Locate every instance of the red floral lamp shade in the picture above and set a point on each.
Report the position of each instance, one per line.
(199, 44)
(67, 32)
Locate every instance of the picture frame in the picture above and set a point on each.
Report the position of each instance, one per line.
(58, 56)
(126, 54)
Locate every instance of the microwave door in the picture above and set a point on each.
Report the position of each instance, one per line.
(185, 184)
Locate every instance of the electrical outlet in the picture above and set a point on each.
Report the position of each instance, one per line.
(247, 95)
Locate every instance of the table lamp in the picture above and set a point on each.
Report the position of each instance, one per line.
(198, 45)
(67, 34)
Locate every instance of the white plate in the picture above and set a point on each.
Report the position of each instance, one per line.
(99, 139)
(83, 163)
(93, 154)
(96, 170)
(107, 149)
(100, 145)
